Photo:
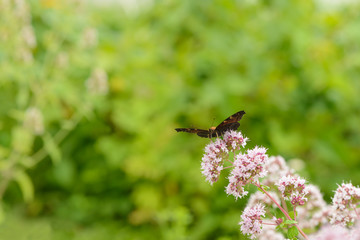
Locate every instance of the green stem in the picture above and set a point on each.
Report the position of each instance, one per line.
(282, 210)
(58, 138)
(7, 174)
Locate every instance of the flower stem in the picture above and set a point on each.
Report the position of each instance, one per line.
(274, 224)
(281, 209)
(355, 210)
(283, 203)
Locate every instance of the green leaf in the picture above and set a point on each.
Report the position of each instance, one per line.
(291, 214)
(288, 222)
(292, 232)
(25, 184)
(2, 214)
(52, 148)
(265, 187)
(22, 140)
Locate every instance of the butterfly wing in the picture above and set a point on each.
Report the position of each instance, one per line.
(200, 132)
(231, 123)
(233, 126)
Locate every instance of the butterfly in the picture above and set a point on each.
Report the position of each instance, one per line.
(231, 123)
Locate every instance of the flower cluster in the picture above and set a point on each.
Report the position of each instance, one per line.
(213, 160)
(218, 151)
(332, 233)
(314, 212)
(33, 121)
(293, 189)
(89, 38)
(254, 165)
(335, 232)
(276, 168)
(97, 83)
(247, 168)
(234, 140)
(260, 197)
(344, 204)
(269, 233)
(251, 223)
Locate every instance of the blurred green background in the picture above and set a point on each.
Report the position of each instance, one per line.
(91, 93)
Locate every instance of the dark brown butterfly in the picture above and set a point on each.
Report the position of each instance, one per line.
(231, 123)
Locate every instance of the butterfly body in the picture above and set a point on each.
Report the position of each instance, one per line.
(231, 123)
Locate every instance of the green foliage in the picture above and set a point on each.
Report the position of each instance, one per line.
(292, 232)
(108, 158)
(292, 214)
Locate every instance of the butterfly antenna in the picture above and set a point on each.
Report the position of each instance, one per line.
(213, 120)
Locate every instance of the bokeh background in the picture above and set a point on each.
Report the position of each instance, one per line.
(91, 92)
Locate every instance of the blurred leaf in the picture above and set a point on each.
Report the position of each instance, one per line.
(2, 214)
(64, 173)
(22, 140)
(52, 148)
(170, 64)
(292, 232)
(25, 184)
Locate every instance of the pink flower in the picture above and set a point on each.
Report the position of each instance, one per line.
(293, 189)
(260, 197)
(314, 212)
(213, 160)
(346, 196)
(269, 233)
(332, 233)
(344, 204)
(247, 168)
(234, 140)
(251, 223)
(276, 168)
(355, 232)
